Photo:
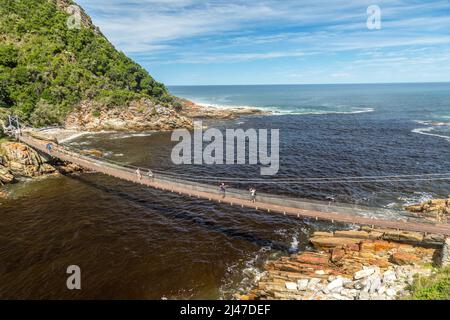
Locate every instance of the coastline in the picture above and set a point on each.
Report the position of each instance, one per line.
(191, 111)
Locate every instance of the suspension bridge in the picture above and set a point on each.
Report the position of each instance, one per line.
(265, 203)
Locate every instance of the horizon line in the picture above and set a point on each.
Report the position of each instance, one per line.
(306, 84)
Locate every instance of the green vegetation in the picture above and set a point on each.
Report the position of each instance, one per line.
(3, 139)
(436, 287)
(46, 69)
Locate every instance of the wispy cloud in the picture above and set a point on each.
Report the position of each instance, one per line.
(292, 32)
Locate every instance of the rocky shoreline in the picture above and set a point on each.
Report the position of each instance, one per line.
(140, 116)
(436, 210)
(195, 111)
(366, 264)
(145, 114)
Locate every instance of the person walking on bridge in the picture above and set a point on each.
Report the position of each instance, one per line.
(49, 147)
(138, 174)
(253, 194)
(223, 189)
(150, 175)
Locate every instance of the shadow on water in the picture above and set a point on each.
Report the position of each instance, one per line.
(187, 216)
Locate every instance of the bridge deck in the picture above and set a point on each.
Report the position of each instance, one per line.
(269, 204)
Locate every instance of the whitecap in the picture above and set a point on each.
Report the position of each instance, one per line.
(428, 132)
(277, 110)
(416, 198)
(282, 111)
(294, 244)
(130, 135)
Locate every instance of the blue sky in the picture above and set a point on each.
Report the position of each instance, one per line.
(191, 42)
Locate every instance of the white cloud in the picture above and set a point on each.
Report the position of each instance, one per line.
(174, 32)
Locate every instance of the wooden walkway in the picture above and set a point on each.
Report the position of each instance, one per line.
(188, 189)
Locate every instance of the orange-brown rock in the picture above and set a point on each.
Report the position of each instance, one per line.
(333, 242)
(322, 234)
(21, 160)
(337, 254)
(402, 258)
(352, 247)
(358, 234)
(336, 260)
(381, 245)
(92, 152)
(313, 258)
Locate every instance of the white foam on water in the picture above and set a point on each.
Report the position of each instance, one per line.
(320, 112)
(294, 244)
(427, 132)
(241, 278)
(416, 198)
(226, 107)
(292, 111)
(74, 137)
(130, 135)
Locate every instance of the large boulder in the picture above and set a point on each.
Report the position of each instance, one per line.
(21, 160)
(5, 175)
(402, 258)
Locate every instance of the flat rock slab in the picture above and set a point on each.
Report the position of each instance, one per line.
(352, 234)
(333, 242)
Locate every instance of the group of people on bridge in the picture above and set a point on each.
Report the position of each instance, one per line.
(149, 174)
(223, 190)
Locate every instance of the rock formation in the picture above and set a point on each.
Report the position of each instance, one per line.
(349, 265)
(19, 160)
(192, 110)
(433, 210)
(143, 114)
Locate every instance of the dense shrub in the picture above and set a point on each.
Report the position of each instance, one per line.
(436, 287)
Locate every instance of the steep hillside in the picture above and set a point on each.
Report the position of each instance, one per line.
(50, 72)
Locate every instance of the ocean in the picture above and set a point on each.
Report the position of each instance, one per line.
(349, 131)
(133, 242)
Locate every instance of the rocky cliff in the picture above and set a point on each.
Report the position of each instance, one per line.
(142, 114)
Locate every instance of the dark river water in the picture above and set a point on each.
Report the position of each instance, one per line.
(133, 242)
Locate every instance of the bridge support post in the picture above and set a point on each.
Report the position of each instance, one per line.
(445, 254)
